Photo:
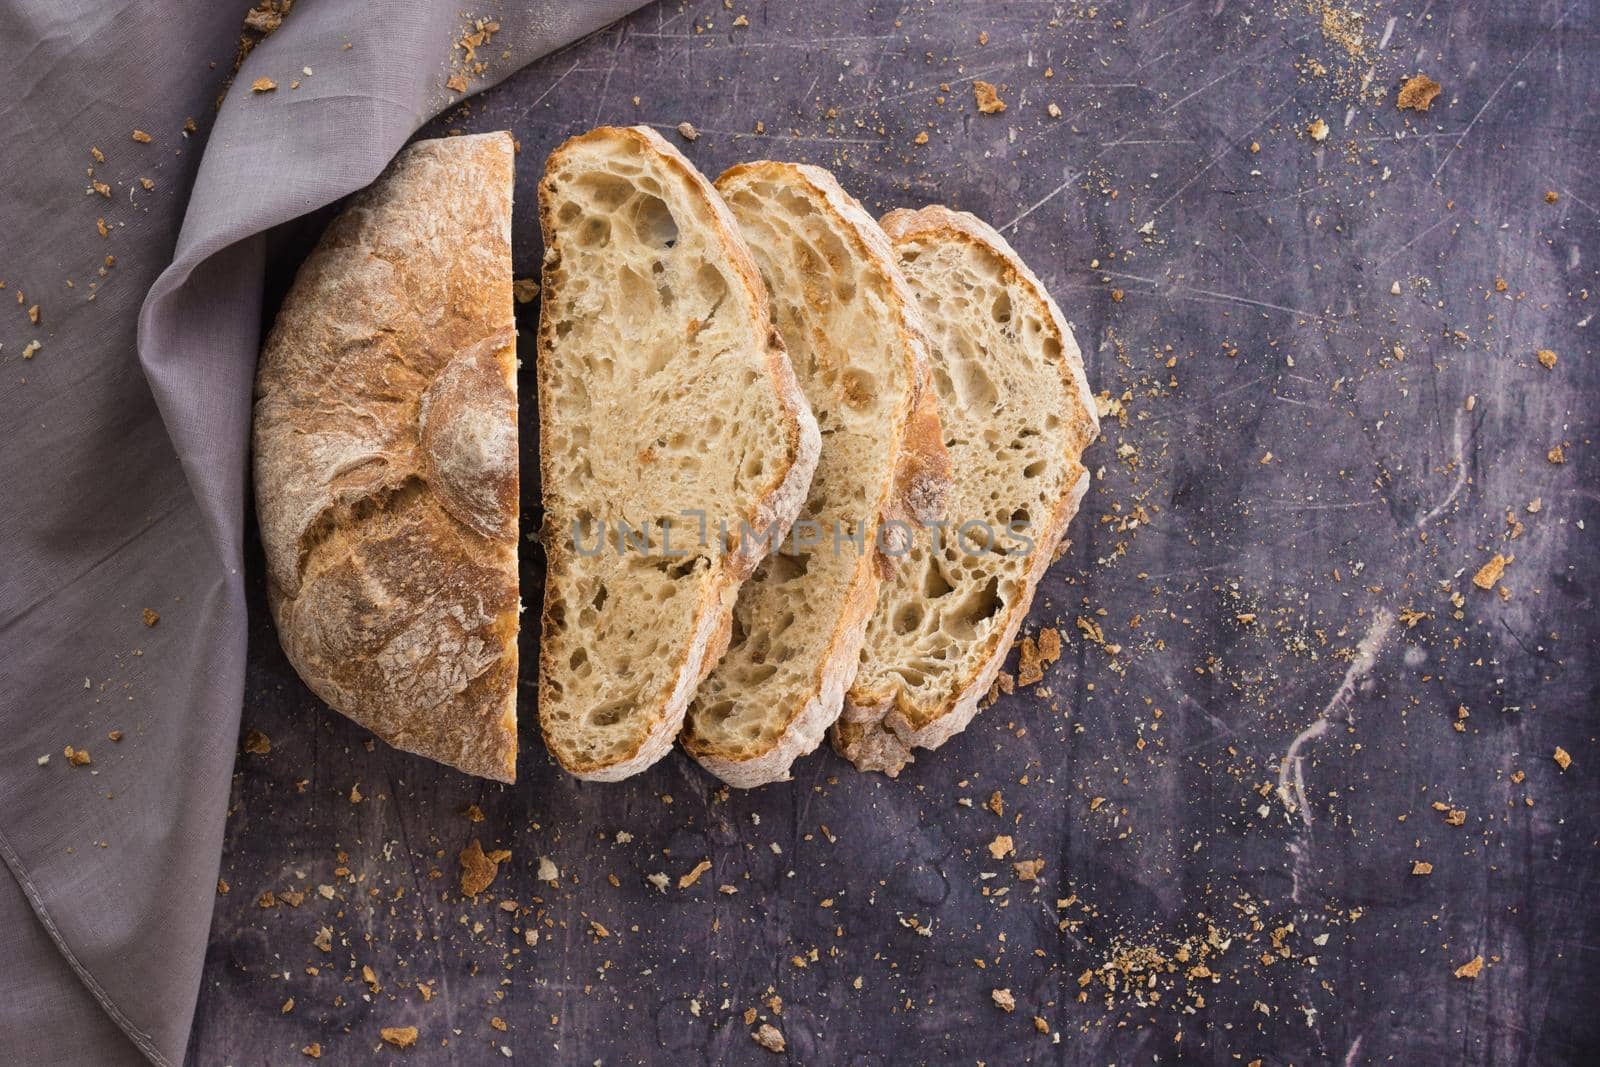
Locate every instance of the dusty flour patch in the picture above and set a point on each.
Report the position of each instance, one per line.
(1291, 773)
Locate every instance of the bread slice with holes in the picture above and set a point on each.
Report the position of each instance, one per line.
(1018, 415)
(385, 451)
(674, 440)
(856, 342)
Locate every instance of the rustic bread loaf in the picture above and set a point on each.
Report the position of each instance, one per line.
(1017, 416)
(855, 340)
(666, 403)
(385, 437)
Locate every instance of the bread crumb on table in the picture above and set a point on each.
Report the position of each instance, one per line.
(1004, 1000)
(1417, 93)
(399, 1036)
(1491, 572)
(770, 1038)
(988, 98)
(478, 868)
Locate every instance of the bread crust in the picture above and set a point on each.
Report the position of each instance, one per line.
(774, 511)
(879, 727)
(385, 457)
(914, 489)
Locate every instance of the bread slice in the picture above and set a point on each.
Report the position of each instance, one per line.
(855, 341)
(1017, 414)
(385, 450)
(666, 403)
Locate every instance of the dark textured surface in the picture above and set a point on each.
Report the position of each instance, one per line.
(1294, 474)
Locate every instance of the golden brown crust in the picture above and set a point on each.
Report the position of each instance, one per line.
(885, 723)
(776, 507)
(386, 459)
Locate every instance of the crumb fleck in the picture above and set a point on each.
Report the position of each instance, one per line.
(399, 1036)
(769, 1037)
(1417, 93)
(988, 98)
(478, 868)
(693, 876)
(1490, 572)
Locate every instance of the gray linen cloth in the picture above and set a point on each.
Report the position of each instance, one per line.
(123, 480)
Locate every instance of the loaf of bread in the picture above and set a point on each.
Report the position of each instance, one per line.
(1018, 414)
(856, 342)
(385, 441)
(673, 440)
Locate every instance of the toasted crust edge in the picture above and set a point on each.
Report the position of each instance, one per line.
(879, 728)
(914, 489)
(777, 507)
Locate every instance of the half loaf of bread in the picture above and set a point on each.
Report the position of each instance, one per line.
(855, 340)
(385, 436)
(1017, 415)
(673, 441)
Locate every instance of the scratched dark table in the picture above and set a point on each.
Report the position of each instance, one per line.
(1324, 413)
